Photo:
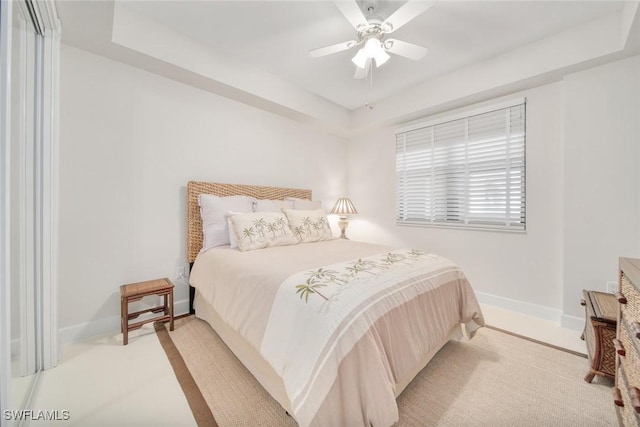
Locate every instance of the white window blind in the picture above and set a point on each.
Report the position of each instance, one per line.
(464, 171)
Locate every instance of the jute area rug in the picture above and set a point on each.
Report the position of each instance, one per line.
(495, 379)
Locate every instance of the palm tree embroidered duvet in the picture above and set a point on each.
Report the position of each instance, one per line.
(344, 324)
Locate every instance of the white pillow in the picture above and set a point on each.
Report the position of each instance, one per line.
(213, 209)
(259, 230)
(271, 205)
(304, 203)
(233, 242)
(309, 225)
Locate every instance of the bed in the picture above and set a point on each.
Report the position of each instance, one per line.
(330, 354)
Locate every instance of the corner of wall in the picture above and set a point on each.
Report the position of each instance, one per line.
(103, 326)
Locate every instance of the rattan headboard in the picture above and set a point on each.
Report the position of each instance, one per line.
(194, 188)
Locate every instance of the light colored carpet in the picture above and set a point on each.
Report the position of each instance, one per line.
(495, 379)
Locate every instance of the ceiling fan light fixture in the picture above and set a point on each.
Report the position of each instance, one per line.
(373, 47)
(360, 59)
(381, 57)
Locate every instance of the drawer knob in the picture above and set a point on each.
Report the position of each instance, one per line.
(635, 326)
(619, 348)
(617, 397)
(621, 298)
(635, 398)
(583, 302)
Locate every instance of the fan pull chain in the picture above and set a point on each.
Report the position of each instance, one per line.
(368, 91)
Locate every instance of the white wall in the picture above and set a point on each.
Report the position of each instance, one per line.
(602, 169)
(523, 267)
(567, 125)
(129, 142)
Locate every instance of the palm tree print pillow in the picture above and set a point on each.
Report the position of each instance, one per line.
(261, 230)
(309, 225)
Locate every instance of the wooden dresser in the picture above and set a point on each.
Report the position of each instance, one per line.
(627, 389)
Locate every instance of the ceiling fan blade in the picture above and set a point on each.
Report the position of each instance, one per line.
(352, 12)
(406, 49)
(328, 50)
(405, 13)
(361, 73)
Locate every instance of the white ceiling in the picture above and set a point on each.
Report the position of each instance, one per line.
(276, 36)
(273, 38)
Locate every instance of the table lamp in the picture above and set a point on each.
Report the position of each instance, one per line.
(343, 207)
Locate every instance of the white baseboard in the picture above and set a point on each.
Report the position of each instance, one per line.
(535, 310)
(111, 325)
(572, 322)
(105, 326)
(540, 311)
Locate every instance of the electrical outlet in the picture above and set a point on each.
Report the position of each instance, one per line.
(179, 272)
(612, 287)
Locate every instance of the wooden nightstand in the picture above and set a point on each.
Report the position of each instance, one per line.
(135, 292)
(599, 332)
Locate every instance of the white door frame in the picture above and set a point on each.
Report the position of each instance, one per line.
(6, 20)
(24, 39)
(47, 183)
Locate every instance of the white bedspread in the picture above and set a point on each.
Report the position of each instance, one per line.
(241, 286)
(304, 307)
(319, 315)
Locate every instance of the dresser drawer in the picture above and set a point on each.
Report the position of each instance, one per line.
(630, 361)
(628, 415)
(631, 309)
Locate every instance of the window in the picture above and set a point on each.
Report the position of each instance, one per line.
(464, 171)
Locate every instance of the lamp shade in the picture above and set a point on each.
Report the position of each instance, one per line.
(381, 57)
(344, 206)
(360, 59)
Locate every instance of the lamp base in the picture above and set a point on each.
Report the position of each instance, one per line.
(343, 224)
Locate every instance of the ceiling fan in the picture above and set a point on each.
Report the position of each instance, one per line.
(372, 32)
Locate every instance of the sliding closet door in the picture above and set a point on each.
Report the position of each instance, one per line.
(6, 16)
(29, 45)
(24, 131)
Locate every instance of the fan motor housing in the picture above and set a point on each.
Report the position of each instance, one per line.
(372, 30)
